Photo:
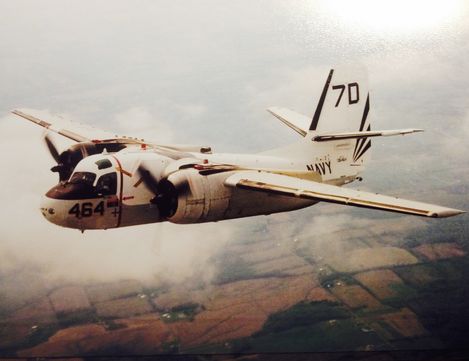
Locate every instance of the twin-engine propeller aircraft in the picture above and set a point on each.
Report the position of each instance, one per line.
(115, 182)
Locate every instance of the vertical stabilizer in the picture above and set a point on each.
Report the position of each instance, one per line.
(343, 102)
(344, 106)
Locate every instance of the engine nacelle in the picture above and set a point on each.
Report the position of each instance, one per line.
(199, 198)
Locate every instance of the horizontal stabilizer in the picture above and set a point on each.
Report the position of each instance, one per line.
(294, 187)
(298, 122)
(365, 134)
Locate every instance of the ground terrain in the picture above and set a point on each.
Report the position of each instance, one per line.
(358, 292)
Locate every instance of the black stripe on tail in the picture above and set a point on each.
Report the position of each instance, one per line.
(317, 113)
(363, 144)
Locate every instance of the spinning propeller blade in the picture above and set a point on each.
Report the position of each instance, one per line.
(52, 148)
(148, 179)
(166, 194)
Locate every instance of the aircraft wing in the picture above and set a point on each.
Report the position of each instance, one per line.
(85, 133)
(74, 131)
(295, 187)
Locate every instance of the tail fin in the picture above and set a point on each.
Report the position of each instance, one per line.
(343, 107)
(344, 103)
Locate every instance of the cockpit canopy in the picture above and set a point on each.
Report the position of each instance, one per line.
(93, 179)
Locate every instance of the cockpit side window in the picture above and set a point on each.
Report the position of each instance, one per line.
(83, 178)
(107, 184)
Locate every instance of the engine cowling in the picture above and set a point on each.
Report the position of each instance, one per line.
(199, 198)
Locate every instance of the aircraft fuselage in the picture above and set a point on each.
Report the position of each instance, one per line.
(106, 190)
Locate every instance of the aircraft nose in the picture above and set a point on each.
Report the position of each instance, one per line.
(49, 210)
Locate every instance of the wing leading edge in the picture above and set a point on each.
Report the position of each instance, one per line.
(294, 187)
(85, 133)
(71, 130)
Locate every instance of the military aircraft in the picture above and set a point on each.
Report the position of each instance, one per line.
(107, 181)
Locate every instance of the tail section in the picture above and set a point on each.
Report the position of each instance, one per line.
(339, 127)
(340, 130)
(337, 140)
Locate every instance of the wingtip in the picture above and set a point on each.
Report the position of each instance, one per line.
(448, 213)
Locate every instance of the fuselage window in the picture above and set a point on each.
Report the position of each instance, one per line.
(107, 184)
(103, 163)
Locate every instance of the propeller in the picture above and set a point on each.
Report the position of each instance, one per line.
(149, 180)
(52, 148)
(69, 158)
(166, 193)
(65, 163)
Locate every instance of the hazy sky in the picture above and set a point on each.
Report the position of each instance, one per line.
(203, 72)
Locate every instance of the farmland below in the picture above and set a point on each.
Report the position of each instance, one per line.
(396, 284)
